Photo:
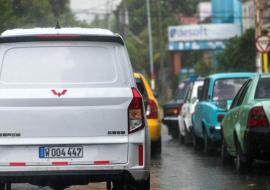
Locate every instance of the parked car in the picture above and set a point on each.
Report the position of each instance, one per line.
(70, 111)
(185, 119)
(217, 95)
(152, 112)
(246, 128)
(172, 109)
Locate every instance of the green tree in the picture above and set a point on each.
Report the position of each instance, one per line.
(239, 54)
(36, 13)
(203, 69)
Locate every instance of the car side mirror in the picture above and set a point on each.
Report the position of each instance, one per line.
(199, 93)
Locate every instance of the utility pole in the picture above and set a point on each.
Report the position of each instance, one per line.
(258, 31)
(125, 18)
(152, 73)
(161, 51)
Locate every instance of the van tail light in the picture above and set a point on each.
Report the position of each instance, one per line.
(220, 117)
(257, 118)
(152, 110)
(135, 112)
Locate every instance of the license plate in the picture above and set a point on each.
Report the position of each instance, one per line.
(61, 152)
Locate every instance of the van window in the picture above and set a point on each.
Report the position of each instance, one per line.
(63, 64)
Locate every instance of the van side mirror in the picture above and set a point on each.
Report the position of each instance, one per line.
(199, 93)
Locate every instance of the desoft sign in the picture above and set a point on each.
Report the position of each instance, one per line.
(203, 32)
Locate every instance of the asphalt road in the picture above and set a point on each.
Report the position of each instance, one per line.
(181, 168)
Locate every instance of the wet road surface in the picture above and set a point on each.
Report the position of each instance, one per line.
(181, 168)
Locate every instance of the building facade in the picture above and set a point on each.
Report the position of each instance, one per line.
(227, 11)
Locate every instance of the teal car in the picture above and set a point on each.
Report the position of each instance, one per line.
(215, 98)
(246, 128)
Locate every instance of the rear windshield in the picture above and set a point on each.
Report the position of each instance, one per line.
(226, 89)
(142, 90)
(74, 64)
(263, 89)
(181, 91)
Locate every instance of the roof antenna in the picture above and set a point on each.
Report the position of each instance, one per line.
(57, 25)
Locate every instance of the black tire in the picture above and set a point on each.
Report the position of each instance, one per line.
(243, 163)
(224, 155)
(175, 134)
(181, 139)
(206, 144)
(188, 138)
(5, 186)
(143, 185)
(156, 147)
(58, 187)
(195, 142)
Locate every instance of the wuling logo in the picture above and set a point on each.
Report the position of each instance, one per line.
(59, 93)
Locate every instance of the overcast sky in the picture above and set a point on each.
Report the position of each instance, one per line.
(85, 9)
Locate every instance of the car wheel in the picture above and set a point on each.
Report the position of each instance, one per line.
(181, 139)
(156, 147)
(195, 142)
(206, 144)
(187, 138)
(243, 163)
(175, 133)
(225, 157)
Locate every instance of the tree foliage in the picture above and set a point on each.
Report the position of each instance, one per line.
(239, 54)
(35, 13)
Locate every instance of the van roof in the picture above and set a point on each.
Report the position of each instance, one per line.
(62, 34)
(54, 31)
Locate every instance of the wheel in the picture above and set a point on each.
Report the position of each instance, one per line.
(243, 163)
(225, 157)
(156, 147)
(187, 138)
(206, 144)
(8, 186)
(143, 185)
(57, 187)
(181, 139)
(5, 186)
(175, 133)
(195, 142)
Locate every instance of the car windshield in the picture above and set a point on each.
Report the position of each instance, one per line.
(263, 89)
(226, 89)
(181, 91)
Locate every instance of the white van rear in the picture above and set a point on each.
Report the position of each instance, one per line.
(69, 110)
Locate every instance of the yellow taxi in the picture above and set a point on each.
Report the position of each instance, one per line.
(152, 112)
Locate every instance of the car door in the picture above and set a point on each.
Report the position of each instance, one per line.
(233, 118)
(198, 115)
(184, 111)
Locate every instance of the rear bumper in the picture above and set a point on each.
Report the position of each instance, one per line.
(71, 177)
(257, 143)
